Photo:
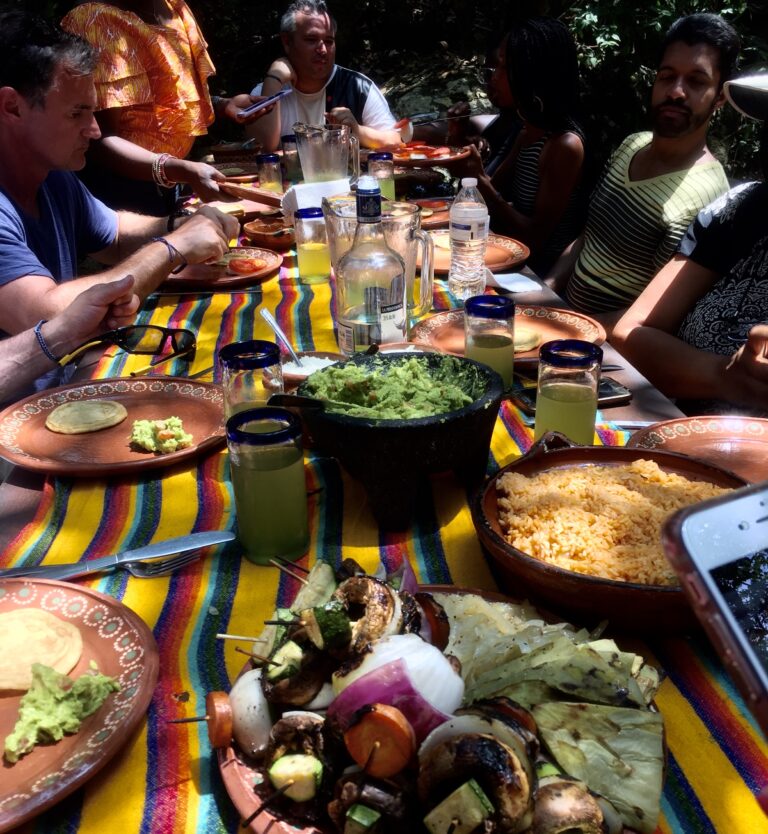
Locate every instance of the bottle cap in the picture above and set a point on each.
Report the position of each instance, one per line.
(368, 184)
(490, 307)
(281, 426)
(306, 213)
(250, 355)
(267, 157)
(570, 353)
(468, 182)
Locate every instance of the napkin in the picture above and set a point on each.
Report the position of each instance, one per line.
(510, 281)
(310, 194)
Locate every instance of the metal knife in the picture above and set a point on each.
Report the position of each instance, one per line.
(158, 550)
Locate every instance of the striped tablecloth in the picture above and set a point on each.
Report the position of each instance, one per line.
(165, 779)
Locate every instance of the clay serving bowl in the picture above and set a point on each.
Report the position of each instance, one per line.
(271, 233)
(629, 607)
(392, 458)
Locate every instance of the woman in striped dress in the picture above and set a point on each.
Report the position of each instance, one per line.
(537, 194)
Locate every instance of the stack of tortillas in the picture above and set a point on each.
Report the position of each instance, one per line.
(80, 416)
(30, 635)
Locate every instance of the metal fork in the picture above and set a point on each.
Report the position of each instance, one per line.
(147, 570)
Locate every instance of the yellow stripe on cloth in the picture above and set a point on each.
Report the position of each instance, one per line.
(725, 798)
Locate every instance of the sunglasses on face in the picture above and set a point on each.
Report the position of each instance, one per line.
(148, 339)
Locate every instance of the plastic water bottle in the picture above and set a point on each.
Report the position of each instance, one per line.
(469, 235)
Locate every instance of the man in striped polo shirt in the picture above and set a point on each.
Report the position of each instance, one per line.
(656, 182)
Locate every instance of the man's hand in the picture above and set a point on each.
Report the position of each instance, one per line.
(343, 116)
(239, 102)
(203, 179)
(746, 375)
(205, 235)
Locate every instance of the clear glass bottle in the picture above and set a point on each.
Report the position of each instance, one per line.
(371, 305)
(489, 332)
(566, 395)
(270, 174)
(267, 467)
(251, 373)
(469, 236)
(312, 250)
(381, 166)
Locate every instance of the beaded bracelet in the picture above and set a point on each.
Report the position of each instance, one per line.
(173, 253)
(158, 170)
(41, 341)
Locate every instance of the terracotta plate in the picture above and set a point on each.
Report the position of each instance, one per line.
(238, 171)
(121, 645)
(630, 607)
(736, 443)
(240, 776)
(24, 439)
(500, 253)
(445, 331)
(435, 212)
(270, 232)
(217, 276)
(410, 157)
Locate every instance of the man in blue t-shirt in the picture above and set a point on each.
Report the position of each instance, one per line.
(48, 219)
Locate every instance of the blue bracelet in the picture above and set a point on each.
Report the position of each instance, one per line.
(173, 252)
(41, 341)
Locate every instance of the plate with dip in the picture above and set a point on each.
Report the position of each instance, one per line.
(534, 325)
(122, 646)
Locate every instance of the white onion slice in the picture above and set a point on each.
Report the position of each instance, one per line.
(251, 719)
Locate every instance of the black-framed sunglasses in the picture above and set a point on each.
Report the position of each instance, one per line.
(148, 339)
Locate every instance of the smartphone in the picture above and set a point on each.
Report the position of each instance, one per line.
(609, 393)
(719, 549)
(260, 105)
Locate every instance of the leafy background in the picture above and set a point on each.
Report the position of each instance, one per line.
(426, 54)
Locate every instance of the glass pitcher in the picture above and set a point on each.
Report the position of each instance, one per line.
(324, 152)
(402, 230)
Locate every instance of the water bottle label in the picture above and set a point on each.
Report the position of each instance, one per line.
(392, 323)
(346, 339)
(470, 230)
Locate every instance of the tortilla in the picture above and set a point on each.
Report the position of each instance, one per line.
(30, 635)
(84, 416)
(525, 339)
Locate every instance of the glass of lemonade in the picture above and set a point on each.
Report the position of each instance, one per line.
(566, 395)
(267, 466)
(489, 333)
(251, 372)
(312, 252)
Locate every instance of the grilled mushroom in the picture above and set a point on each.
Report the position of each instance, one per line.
(374, 609)
(565, 805)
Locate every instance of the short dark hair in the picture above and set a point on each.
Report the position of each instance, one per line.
(315, 7)
(30, 51)
(705, 27)
(543, 71)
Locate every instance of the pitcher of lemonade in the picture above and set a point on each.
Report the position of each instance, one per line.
(324, 152)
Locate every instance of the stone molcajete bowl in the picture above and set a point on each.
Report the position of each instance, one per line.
(393, 458)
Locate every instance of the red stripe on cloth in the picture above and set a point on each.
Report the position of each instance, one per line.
(21, 542)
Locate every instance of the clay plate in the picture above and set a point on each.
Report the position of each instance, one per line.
(216, 276)
(403, 159)
(736, 443)
(239, 776)
(445, 331)
(261, 232)
(440, 208)
(25, 441)
(627, 606)
(122, 646)
(501, 252)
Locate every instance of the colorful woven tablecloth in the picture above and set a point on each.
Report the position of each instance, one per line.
(165, 779)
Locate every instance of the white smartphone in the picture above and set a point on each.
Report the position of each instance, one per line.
(260, 105)
(719, 549)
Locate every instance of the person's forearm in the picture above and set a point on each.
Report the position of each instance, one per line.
(133, 232)
(372, 138)
(22, 360)
(505, 218)
(677, 369)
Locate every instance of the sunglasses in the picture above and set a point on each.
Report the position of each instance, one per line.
(149, 339)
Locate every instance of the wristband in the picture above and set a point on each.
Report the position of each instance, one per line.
(275, 78)
(41, 341)
(173, 253)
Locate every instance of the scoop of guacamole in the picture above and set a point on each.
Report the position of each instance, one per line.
(406, 389)
(54, 705)
(160, 435)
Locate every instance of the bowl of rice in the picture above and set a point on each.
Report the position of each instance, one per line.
(577, 528)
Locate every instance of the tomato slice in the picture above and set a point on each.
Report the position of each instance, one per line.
(245, 266)
(441, 151)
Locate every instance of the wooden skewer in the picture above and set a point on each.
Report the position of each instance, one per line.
(256, 656)
(237, 637)
(374, 750)
(267, 801)
(291, 564)
(284, 622)
(290, 573)
(453, 826)
(188, 720)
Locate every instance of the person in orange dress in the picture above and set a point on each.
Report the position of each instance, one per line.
(153, 101)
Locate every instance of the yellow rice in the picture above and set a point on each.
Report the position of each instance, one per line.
(599, 520)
